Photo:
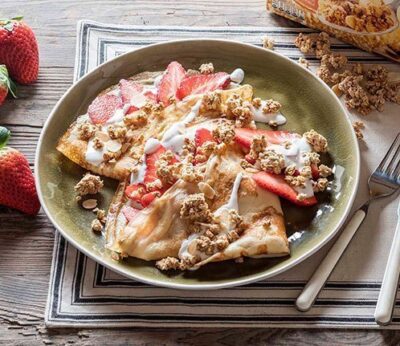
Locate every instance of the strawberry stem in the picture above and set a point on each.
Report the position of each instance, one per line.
(6, 80)
(4, 136)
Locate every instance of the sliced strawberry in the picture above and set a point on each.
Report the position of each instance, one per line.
(103, 107)
(250, 159)
(314, 171)
(202, 136)
(244, 136)
(135, 192)
(151, 167)
(277, 185)
(132, 93)
(129, 212)
(202, 83)
(149, 197)
(138, 192)
(170, 82)
(151, 96)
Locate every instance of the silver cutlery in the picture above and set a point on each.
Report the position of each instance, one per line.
(383, 182)
(390, 282)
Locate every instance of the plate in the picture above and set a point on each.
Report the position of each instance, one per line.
(307, 103)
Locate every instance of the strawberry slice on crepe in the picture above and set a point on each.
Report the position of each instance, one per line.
(245, 136)
(202, 83)
(277, 185)
(170, 82)
(137, 191)
(103, 107)
(129, 212)
(132, 94)
(202, 136)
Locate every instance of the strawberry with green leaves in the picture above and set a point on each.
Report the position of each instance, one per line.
(19, 50)
(6, 84)
(17, 185)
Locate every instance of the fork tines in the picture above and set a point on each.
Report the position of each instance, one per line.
(390, 165)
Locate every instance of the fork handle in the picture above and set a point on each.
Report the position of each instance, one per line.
(387, 295)
(310, 292)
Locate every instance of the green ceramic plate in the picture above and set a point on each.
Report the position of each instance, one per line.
(307, 103)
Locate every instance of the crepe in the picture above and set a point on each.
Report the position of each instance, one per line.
(158, 231)
(197, 132)
(157, 123)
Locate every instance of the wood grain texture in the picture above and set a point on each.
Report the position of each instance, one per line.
(26, 243)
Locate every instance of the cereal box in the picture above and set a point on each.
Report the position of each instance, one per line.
(372, 25)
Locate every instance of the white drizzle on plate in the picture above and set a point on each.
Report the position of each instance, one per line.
(265, 118)
(295, 155)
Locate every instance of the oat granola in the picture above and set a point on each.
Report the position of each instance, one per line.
(90, 184)
(206, 68)
(268, 42)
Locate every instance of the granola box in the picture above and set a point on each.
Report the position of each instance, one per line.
(372, 25)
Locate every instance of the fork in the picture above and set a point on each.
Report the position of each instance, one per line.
(390, 282)
(383, 182)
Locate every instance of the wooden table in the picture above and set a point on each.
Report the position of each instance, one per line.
(26, 243)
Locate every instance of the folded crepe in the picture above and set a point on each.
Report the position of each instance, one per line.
(159, 232)
(126, 151)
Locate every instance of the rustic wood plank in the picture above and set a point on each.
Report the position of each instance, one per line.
(26, 243)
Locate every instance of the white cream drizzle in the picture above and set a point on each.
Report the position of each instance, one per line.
(118, 115)
(174, 137)
(150, 147)
(94, 156)
(233, 199)
(295, 155)
(261, 117)
(237, 76)
(224, 216)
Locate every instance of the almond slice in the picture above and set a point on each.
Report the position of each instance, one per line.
(104, 137)
(89, 203)
(208, 191)
(113, 146)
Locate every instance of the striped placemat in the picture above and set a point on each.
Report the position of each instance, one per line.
(84, 293)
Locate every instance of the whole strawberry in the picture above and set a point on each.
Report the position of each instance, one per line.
(19, 50)
(17, 186)
(6, 84)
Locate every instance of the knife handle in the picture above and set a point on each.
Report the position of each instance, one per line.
(310, 292)
(387, 295)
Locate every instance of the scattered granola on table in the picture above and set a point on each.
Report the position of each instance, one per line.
(304, 62)
(358, 126)
(268, 42)
(364, 90)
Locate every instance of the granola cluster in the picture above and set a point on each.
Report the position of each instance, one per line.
(304, 62)
(239, 111)
(364, 91)
(268, 42)
(90, 184)
(224, 132)
(136, 120)
(212, 101)
(207, 68)
(359, 15)
(211, 234)
(318, 44)
(317, 141)
(358, 126)
(272, 161)
(86, 131)
(195, 209)
(167, 170)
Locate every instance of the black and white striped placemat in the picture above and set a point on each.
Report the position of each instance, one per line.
(84, 293)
